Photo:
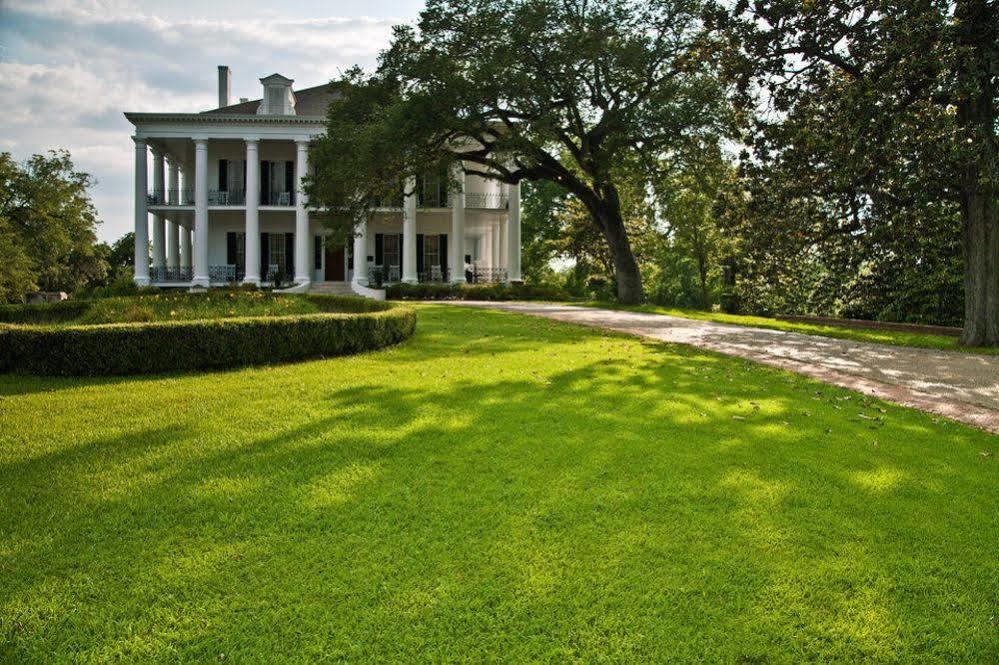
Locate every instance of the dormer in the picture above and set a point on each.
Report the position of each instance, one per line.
(278, 98)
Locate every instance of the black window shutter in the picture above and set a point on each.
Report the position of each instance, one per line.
(317, 253)
(419, 253)
(265, 255)
(289, 253)
(443, 247)
(265, 183)
(223, 175)
(230, 248)
(289, 177)
(244, 175)
(400, 252)
(379, 248)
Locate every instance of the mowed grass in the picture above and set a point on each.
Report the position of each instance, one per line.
(894, 337)
(182, 306)
(500, 487)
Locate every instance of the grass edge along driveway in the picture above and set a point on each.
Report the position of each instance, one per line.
(892, 337)
(500, 486)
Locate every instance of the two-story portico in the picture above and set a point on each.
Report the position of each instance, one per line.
(226, 202)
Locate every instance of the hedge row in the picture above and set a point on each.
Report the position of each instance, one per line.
(437, 291)
(145, 348)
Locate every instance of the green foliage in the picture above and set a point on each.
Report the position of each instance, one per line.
(47, 226)
(433, 291)
(870, 164)
(499, 488)
(569, 93)
(190, 331)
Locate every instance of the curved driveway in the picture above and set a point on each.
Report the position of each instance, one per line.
(962, 386)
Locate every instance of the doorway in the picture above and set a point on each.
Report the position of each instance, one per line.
(335, 271)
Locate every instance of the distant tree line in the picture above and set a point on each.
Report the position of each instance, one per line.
(48, 230)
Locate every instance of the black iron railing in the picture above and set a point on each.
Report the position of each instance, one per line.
(235, 197)
(277, 199)
(170, 274)
(171, 197)
(478, 275)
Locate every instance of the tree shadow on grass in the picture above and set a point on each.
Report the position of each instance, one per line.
(632, 508)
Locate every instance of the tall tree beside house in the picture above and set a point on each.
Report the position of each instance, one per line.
(565, 91)
(881, 122)
(48, 224)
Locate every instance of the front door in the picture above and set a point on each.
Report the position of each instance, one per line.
(334, 264)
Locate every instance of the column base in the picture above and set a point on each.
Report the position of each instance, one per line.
(141, 281)
(410, 280)
(200, 283)
(251, 281)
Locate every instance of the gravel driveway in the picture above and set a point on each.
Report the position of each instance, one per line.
(962, 386)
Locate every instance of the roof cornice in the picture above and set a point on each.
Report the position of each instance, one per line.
(215, 118)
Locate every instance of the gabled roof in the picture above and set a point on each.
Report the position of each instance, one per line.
(277, 78)
(308, 101)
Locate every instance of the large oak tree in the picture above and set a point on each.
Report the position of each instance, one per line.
(566, 91)
(880, 116)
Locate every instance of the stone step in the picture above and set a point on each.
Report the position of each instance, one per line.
(331, 288)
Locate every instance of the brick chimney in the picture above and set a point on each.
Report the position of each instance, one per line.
(225, 85)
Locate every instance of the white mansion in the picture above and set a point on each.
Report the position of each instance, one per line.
(227, 206)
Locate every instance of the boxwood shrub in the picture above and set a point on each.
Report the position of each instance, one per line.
(438, 291)
(166, 346)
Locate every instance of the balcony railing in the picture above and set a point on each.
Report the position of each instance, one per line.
(277, 199)
(486, 201)
(380, 275)
(433, 198)
(477, 275)
(170, 197)
(168, 274)
(234, 197)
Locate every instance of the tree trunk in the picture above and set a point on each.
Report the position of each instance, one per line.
(976, 117)
(629, 279)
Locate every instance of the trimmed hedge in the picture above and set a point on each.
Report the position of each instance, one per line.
(437, 291)
(166, 346)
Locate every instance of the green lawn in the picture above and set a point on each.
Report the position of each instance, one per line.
(498, 488)
(895, 337)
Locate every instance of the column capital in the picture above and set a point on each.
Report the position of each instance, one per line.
(303, 144)
(251, 141)
(200, 144)
(139, 142)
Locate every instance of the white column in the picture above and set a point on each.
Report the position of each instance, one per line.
(409, 233)
(513, 234)
(201, 276)
(494, 238)
(457, 243)
(252, 213)
(173, 229)
(141, 216)
(159, 223)
(361, 253)
(302, 262)
(186, 245)
(487, 248)
(504, 242)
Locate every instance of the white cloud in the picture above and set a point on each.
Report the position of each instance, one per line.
(70, 68)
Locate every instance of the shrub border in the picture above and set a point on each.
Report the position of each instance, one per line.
(167, 346)
(438, 291)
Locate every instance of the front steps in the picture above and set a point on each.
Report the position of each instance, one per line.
(332, 288)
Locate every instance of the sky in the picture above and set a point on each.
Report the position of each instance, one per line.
(70, 68)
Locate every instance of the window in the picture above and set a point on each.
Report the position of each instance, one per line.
(431, 252)
(235, 175)
(390, 253)
(241, 254)
(277, 253)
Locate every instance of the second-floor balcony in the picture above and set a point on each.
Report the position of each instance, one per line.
(171, 197)
(218, 197)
